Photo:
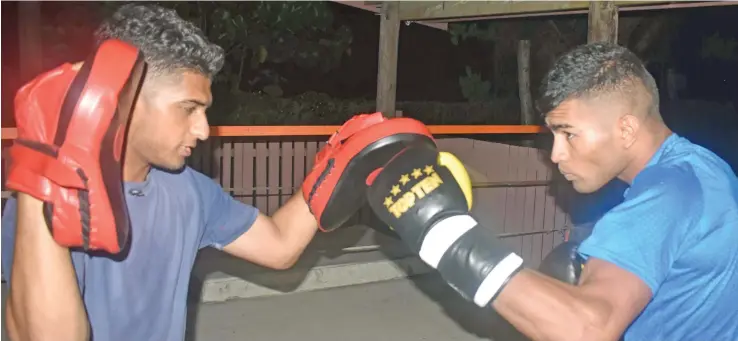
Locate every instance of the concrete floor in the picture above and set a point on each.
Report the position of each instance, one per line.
(416, 308)
(420, 308)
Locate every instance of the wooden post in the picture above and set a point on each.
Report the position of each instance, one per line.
(603, 22)
(526, 102)
(29, 32)
(389, 38)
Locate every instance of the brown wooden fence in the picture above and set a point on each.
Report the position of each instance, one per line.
(513, 188)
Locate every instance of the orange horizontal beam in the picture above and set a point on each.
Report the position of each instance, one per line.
(10, 133)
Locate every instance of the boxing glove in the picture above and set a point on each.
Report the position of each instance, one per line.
(71, 124)
(425, 197)
(334, 187)
(563, 263)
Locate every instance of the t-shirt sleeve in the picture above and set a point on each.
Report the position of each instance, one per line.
(644, 234)
(225, 217)
(8, 236)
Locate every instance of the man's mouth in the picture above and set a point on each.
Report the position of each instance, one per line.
(566, 175)
(186, 151)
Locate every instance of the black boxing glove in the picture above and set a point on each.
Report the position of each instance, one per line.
(425, 196)
(563, 263)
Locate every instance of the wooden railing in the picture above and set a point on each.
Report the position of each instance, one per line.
(282, 131)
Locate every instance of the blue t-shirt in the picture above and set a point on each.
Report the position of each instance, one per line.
(144, 295)
(677, 230)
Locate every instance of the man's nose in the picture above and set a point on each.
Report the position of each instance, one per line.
(200, 128)
(558, 152)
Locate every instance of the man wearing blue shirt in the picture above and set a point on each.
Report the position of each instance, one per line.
(663, 264)
(660, 266)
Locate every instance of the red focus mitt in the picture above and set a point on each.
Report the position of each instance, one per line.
(335, 188)
(72, 123)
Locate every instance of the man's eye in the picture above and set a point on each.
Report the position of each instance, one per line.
(190, 109)
(569, 136)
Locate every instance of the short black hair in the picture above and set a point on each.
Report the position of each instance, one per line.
(168, 42)
(594, 69)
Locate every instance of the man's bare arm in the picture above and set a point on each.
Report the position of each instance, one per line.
(600, 308)
(44, 302)
(277, 242)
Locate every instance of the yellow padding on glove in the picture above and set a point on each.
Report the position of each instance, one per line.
(458, 170)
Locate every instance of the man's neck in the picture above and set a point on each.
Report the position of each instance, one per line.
(644, 151)
(135, 171)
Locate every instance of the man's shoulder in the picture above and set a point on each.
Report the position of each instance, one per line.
(667, 182)
(702, 164)
(687, 180)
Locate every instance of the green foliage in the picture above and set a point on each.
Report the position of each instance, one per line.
(716, 47)
(258, 35)
(549, 39)
(462, 31)
(67, 34)
(473, 88)
(320, 109)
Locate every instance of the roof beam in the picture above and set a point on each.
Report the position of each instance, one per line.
(440, 10)
(375, 7)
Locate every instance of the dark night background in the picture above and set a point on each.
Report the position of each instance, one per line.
(280, 87)
(429, 64)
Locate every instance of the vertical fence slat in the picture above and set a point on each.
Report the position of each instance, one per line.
(549, 214)
(538, 211)
(274, 176)
(238, 170)
(261, 176)
(560, 216)
(206, 158)
(225, 168)
(311, 149)
(490, 202)
(520, 195)
(512, 212)
(217, 159)
(298, 165)
(288, 153)
(247, 178)
(529, 204)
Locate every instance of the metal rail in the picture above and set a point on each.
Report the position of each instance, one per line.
(487, 184)
(290, 190)
(370, 248)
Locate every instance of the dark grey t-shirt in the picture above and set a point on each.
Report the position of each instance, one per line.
(143, 295)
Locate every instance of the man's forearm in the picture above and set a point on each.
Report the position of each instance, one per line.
(296, 224)
(44, 301)
(544, 308)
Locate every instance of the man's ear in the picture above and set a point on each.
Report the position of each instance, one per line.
(629, 126)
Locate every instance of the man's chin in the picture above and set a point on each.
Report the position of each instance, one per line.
(584, 188)
(171, 166)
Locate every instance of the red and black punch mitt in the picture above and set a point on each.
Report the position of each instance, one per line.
(335, 188)
(71, 124)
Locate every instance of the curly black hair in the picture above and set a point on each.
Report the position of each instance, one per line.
(168, 42)
(594, 69)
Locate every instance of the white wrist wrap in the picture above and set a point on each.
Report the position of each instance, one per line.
(442, 235)
(445, 233)
(496, 278)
